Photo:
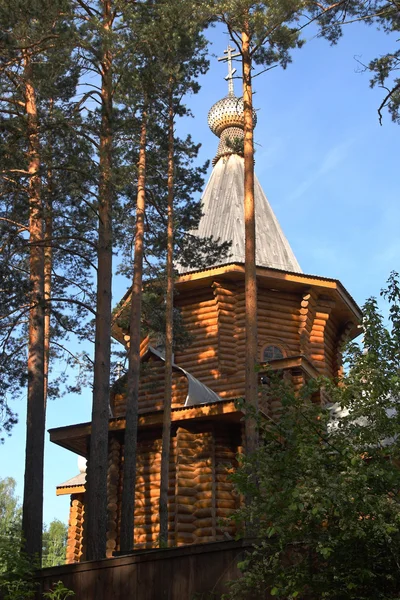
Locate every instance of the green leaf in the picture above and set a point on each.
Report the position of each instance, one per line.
(274, 591)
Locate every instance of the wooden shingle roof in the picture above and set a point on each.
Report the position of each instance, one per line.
(223, 219)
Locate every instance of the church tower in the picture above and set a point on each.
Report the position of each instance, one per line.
(302, 322)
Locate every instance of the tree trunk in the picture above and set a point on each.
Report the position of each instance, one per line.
(48, 264)
(96, 500)
(169, 320)
(132, 392)
(32, 509)
(250, 247)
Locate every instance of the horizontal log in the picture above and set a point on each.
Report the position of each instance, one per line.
(223, 291)
(205, 532)
(185, 500)
(203, 326)
(204, 487)
(318, 328)
(224, 513)
(186, 517)
(206, 522)
(197, 305)
(183, 509)
(224, 487)
(201, 316)
(189, 492)
(224, 495)
(184, 538)
(146, 539)
(204, 512)
(276, 325)
(317, 357)
(185, 527)
(184, 462)
(203, 503)
(192, 301)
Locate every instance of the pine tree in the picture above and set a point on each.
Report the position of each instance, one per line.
(132, 392)
(32, 31)
(183, 60)
(261, 32)
(96, 42)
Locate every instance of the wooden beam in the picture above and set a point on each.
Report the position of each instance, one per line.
(73, 436)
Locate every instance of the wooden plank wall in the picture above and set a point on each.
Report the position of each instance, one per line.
(185, 573)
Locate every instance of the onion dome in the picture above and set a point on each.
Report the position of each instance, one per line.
(227, 112)
(226, 117)
(226, 120)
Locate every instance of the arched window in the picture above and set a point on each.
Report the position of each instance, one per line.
(272, 352)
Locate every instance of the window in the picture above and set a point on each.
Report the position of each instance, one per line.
(272, 352)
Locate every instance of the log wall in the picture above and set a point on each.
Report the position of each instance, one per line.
(201, 495)
(151, 389)
(214, 316)
(215, 319)
(204, 495)
(113, 500)
(75, 548)
(202, 454)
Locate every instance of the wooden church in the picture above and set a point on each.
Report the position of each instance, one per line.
(302, 323)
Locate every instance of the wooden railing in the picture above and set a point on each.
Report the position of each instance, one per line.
(183, 573)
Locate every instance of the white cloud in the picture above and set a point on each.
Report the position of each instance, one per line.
(332, 159)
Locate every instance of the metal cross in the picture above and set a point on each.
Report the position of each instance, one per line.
(231, 71)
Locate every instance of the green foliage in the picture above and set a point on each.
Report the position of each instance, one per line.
(54, 544)
(39, 35)
(17, 569)
(325, 502)
(58, 592)
(385, 68)
(236, 145)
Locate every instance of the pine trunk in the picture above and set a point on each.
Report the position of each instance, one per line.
(48, 264)
(132, 392)
(169, 317)
(32, 509)
(250, 246)
(96, 500)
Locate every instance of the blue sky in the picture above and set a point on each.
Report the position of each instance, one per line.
(329, 170)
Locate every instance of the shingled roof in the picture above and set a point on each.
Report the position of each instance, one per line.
(224, 220)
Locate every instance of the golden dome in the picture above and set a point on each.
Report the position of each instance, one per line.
(227, 112)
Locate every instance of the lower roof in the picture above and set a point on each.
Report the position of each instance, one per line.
(76, 437)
